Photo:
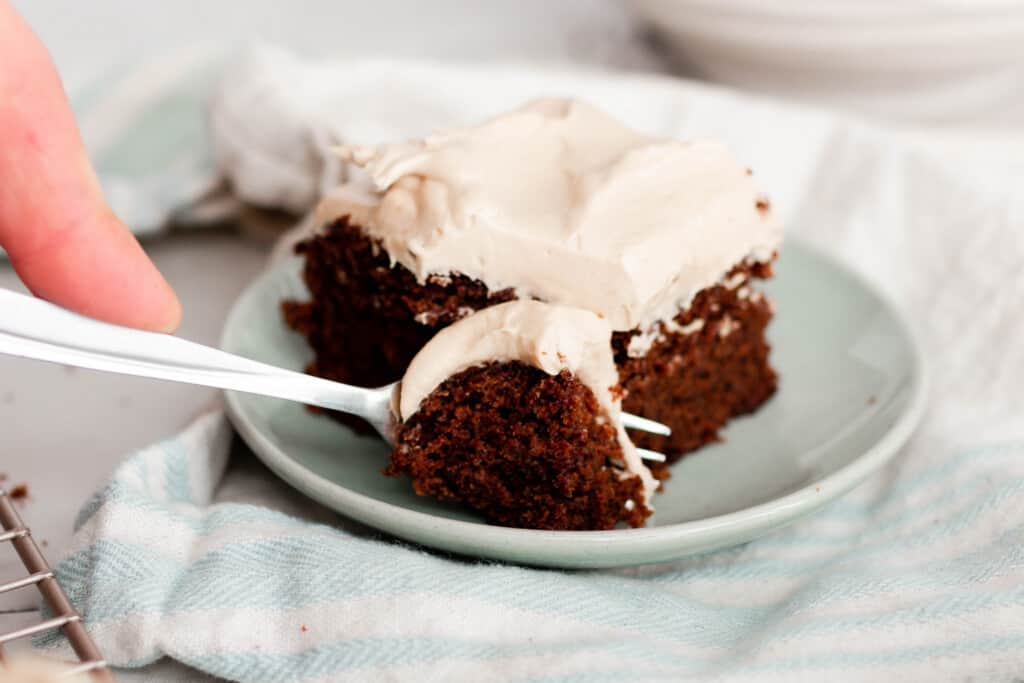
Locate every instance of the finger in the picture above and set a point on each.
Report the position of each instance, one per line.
(63, 240)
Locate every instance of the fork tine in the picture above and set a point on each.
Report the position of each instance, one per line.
(643, 424)
(651, 455)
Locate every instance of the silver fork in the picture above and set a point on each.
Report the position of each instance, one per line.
(33, 328)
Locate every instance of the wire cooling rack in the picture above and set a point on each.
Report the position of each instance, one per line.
(39, 574)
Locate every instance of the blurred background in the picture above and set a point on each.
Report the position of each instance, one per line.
(87, 41)
(950, 70)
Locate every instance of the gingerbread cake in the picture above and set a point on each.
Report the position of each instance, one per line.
(515, 412)
(555, 202)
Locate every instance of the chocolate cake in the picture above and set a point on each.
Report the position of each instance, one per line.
(555, 202)
(514, 412)
(708, 364)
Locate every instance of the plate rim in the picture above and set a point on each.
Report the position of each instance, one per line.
(593, 549)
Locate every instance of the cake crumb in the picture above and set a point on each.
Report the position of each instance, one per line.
(19, 492)
(425, 318)
(303, 628)
(762, 204)
(750, 171)
(872, 400)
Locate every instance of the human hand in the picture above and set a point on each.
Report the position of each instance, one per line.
(63, 240)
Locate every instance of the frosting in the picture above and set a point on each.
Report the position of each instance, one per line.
(550, 337)
(641, 343)
(564, 204)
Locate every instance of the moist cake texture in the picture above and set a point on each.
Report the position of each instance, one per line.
(515, 411)
(353, 286)
(553, 204)
(710, 363)
(522, 448)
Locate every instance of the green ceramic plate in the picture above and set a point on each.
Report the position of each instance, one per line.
(852, 389)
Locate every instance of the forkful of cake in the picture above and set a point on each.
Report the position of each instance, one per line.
(36, 329)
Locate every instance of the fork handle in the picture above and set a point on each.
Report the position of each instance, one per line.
(33, 328)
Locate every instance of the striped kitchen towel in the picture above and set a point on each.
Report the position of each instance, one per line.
(145, 128)
(916, 575)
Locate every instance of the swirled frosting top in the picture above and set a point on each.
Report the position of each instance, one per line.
(564, 204)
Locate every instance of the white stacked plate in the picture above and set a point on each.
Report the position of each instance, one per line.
(936, 62)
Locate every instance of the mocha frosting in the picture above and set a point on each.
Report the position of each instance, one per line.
(564, 204)
(550, 337)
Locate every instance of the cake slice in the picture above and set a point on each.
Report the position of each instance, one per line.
(560, 203)
(515, 412)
